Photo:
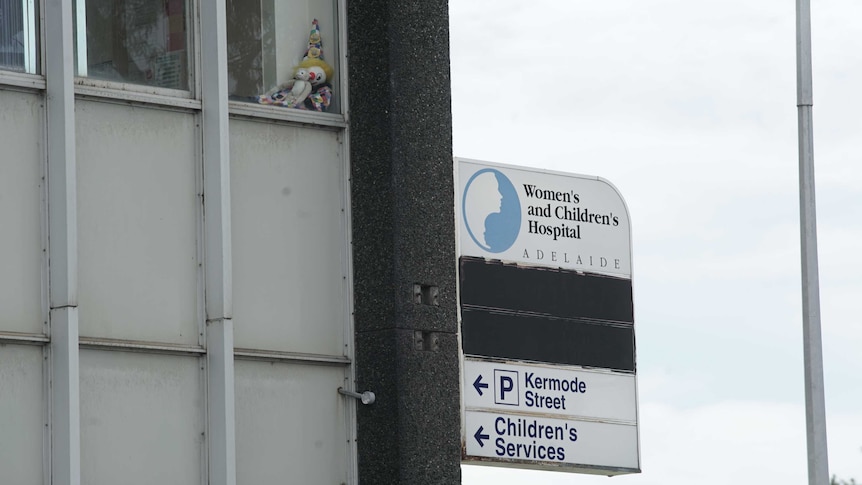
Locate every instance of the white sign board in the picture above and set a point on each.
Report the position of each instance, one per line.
(555, 390)
(547, 321)
(526, 438)
(542, 218)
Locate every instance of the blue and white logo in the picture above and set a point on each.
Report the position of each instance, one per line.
(491, 210)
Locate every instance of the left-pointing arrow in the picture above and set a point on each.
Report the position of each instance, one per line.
(479, 385)
(479, 436)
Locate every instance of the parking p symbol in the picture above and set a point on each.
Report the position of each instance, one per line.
(506, 387)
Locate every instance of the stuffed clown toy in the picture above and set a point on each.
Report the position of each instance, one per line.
(310, 88)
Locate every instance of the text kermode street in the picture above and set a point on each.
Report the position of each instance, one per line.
(568, 392)
(553, 384)
(539, 400)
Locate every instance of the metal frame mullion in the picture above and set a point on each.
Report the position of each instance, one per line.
(63, 372)
(30, 22)
(350, 329)
(221, 446)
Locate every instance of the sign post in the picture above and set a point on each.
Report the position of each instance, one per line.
(547, 321)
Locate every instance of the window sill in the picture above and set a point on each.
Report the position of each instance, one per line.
(21, 80)
(128, 93)
(251, 110)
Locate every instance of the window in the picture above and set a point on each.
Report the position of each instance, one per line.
(18, 35)
(283, 53)
(133, 41)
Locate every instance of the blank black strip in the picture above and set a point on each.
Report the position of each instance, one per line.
(555, 292)
(544, 339)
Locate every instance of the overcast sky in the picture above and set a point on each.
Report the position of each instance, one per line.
(689, 109)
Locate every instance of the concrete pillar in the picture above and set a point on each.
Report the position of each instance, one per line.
(404, 241)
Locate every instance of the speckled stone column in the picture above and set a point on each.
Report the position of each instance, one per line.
(404, 241)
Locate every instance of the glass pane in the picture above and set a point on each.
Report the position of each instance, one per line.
(18, 35)
(21, 422)
(290, 424)
(133, 41)
(21, 122)
(137, 214)
(280, 58)
(288, 236)
(142, 419)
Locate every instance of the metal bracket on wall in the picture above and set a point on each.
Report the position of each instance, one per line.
(366, 397)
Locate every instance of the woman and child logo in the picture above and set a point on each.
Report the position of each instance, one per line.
(491, 210)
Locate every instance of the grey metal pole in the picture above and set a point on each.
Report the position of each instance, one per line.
(815, 402)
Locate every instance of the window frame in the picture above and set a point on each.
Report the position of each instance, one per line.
(143, 93)
(340, 87)
(33, 49)
(190, 99)
(31, 58)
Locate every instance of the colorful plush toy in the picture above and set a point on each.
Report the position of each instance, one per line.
(309, 89)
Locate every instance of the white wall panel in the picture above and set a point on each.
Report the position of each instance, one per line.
(137, 223)
(290, 425)
(288, 238)
(21, 168)
(21, 419)
(142, 418)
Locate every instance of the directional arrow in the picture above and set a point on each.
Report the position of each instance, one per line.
(479, 385)
(479, 436)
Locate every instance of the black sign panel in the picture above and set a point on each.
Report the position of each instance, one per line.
(546, 315)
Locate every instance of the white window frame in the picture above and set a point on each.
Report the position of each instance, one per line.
(191, 99)
(30, 77)
(140, 93)
(331, 119)
(30, 30)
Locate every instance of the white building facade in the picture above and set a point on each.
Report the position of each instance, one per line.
(175, 266)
